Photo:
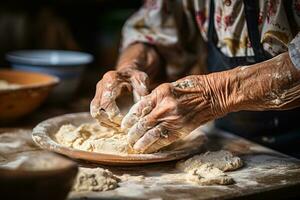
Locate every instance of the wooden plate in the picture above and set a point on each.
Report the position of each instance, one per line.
(43, 136)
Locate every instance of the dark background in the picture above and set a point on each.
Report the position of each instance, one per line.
(92, 26)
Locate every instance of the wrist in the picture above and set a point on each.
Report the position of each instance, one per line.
(223, 92)
(128, 65)
(140, 56)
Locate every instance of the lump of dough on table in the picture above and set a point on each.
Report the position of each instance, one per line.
(95, 179)
(93, 137)
(208, 168)
(207, 174)
(223, 160)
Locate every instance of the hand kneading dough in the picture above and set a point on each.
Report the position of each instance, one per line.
(93, 137)
(95, 179)
(209, 168)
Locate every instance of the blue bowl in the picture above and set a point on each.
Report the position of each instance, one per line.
(66, 65)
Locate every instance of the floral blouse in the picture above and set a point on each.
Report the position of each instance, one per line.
(177, 28)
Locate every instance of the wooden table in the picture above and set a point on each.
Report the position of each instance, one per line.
(266, 174)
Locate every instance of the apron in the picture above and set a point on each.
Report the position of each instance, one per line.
(276, 129)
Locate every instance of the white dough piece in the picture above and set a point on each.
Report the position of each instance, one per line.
(208, 168)
(95, 179)
(223, 160)
(93, 137)
(207, 174)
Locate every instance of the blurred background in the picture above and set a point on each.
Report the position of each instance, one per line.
(92, 26)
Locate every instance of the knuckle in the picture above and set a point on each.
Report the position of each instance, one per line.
(143, 74)
(166, 88)
(99, 85)
(109, 74)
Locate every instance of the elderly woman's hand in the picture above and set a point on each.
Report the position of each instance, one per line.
(172, 111)
(104, 107)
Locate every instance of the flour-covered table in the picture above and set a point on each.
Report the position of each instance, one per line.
(266, 173)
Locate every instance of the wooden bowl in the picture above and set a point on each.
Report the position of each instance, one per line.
(27, 172)
(47, 184)
(34, 89)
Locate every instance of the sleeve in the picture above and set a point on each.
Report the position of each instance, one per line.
(294, 51)
(170, 27)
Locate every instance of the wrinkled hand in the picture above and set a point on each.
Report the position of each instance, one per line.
(170, 112)
(110, 87)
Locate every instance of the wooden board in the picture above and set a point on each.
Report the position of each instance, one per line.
(266, 174)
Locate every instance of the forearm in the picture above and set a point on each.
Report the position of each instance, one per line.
(271, 85)
(142, 57)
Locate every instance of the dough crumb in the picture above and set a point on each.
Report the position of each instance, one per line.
(208, 168)
(95, 179)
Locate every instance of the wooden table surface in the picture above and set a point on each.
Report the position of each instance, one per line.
(266, 174)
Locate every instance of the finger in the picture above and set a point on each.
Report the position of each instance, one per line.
(150, 137)
(165, 140)
(137, 111)
(105, 100)
(140, 85)
(140, 128)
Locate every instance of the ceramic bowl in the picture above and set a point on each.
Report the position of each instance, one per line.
(67, 65)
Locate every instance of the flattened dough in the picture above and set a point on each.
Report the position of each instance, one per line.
(95, 179)
(209, 168)
(93, 137)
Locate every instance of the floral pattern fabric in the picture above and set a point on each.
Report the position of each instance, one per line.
(177, 29)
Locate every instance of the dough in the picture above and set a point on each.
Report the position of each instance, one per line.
(95, 179)
(207, 174)
(209, 168)
(93, 137)
(223, 160)
(4, 85)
